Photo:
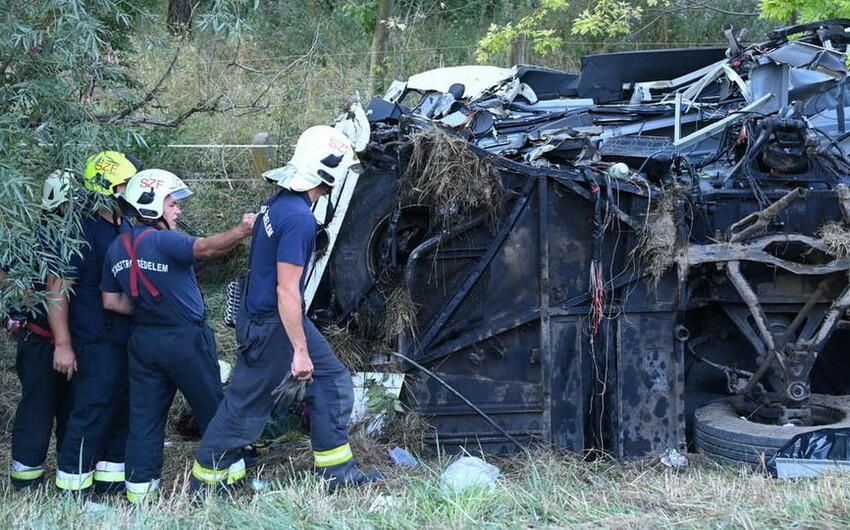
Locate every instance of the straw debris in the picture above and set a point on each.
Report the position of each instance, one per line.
(658, 236)
(837, 238)
(407, 430)
(352, 350)
(399, 316)
(445, 174)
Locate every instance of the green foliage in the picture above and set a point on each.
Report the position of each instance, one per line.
(804, 10)
(612, 17)
(66, 91)
(500, 38)
(379, 399)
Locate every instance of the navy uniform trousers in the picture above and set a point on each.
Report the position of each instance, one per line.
(265, 357)
(165, 358)
(45, 401)
(92, 451)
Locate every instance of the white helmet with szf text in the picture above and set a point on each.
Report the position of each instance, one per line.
(147, 190)
(323, 155)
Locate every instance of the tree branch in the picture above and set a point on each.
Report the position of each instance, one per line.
(312, 51)
(157, 87)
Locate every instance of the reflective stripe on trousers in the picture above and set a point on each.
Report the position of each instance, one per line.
(74, 481)
(332, 457)
(19, 471)
(109, 471)
(228, 475)
(141, 491)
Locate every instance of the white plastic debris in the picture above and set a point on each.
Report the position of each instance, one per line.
(402, 457)
(468, 472)
(95, 507)
(384, 503)
(673, 458)
(224, 371)
(389, 382)
(258, 484)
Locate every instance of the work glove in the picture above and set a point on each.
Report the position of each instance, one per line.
(289, 392)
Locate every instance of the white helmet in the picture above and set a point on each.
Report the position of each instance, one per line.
(146, 192)
(57, 189)
(323, 155)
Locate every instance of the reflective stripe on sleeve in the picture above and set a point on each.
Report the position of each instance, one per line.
(74, 481)
(109, 471)
(19, 471)
(141, 491)
(334, 456)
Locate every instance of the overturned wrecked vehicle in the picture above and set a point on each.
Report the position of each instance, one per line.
(649, 253)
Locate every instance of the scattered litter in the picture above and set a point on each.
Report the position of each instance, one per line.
(361, 412)
(673, 458)
(258, 484)
(402, 457)
(812, 454)
(468, 472)
(95, 507)
(224, 371)
(383, 503)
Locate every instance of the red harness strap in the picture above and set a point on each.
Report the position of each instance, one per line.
(136, 272)
(38, 330)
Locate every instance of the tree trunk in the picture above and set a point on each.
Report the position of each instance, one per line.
(517, 53)
(377, 68)
(179, 19)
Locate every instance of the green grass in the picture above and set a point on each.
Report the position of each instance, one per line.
(544, 489)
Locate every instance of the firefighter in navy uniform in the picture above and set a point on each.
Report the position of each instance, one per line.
(149, 273)
(45, 393)
(276, 337)
(90, 342)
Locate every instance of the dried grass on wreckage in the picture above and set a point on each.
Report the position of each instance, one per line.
(444, 173)
(658, 236)
(837, 238)
(349, 345)
(399, 316)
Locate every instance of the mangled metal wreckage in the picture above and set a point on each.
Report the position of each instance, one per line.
(648, 254)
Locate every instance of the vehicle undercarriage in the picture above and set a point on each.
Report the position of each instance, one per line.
(650, 253)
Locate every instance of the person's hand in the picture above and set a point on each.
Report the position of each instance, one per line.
(65, 361)
(302, 366)
(247, 224)
(289, 392)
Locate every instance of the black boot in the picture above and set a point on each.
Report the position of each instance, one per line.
(346, 475)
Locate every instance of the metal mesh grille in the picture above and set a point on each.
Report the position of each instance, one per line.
(440, 273)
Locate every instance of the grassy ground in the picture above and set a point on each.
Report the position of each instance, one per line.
(543, 489)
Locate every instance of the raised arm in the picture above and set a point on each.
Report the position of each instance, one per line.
(218, 244)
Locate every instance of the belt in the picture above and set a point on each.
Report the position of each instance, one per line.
(40, 331)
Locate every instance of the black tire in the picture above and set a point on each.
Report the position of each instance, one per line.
(722, 435)
(373, 200)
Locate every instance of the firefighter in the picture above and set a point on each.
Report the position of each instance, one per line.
(276, 337)
(149, 273)
(45, 393)
(90, 342)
